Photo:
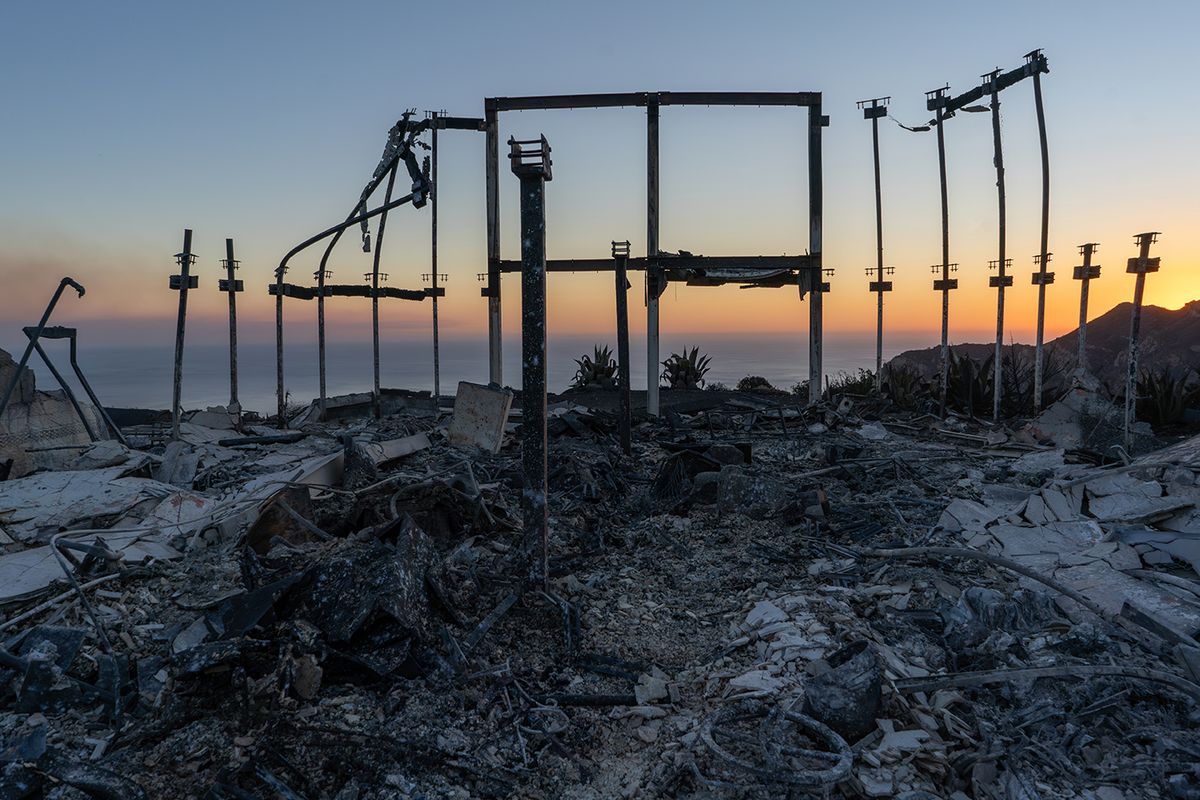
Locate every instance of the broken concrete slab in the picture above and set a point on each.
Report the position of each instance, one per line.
(480, 414)
(34, 507)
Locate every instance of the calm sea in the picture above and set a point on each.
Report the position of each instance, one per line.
(140, 376)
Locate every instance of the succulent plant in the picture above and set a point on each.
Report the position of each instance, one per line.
(685, 370)
(597, 371)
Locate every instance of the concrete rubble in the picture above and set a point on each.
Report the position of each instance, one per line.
(765, 600)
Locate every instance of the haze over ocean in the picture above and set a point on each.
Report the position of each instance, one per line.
(139, 376)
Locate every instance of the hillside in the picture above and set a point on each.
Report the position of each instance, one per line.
(1168, 338)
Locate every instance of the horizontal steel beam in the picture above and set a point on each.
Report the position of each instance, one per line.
(345, 290)
(618, 99)
(668, 262)
(457, 123)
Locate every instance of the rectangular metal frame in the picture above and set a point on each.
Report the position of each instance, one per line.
(655, 265)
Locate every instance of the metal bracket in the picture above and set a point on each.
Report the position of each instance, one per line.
(1043, 278)
(1081, 273)
(996, 281)
(176, 282)
(223, 285)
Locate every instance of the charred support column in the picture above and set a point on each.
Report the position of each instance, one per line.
(280, 406)
(231, 286)
(877, 109)
(433, 260)
(936, 101)
(181, 282)
(376, 400)
(492, 290)
(1001, 280)
(620, 253)
(33, 338)
(1139, 266)
(1043, 278)
(1084, 274)
(531, 164)
(321, 275)
(815, 211)
(655, 284)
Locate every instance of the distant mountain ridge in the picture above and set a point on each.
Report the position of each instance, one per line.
(1167, 339)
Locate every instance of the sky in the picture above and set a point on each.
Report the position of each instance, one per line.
(126, 122)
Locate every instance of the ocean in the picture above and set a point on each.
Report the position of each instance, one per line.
(139, 376)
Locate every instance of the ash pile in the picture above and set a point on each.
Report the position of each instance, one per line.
(763, 600)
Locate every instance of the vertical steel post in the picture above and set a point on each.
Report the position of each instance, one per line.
(1043, 278)
(185, 259)
(231, 287)
(321, 275)
(873, 112)
(815, 212)
(620, 252)
(532, 167)
(1084, 274)
(492, 217)
(936, 101)
(435, 190)
(1001, 280)
(281, 407)
(1138, 266)
(376, 399)
(654, 275)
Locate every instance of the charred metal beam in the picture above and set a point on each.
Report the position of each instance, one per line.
(620, 252)
(530, 161)
(667, 261)
(616, 99)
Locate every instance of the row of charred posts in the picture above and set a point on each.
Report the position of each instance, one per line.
(946, 107)
(806, 271)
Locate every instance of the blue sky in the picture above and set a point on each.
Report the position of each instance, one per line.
(127, 121)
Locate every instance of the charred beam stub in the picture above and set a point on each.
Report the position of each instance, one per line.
(620, 253)
(1085, 273)
(530, 162)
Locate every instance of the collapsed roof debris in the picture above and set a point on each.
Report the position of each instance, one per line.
(765, 598)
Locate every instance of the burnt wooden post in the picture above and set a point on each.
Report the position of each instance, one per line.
(530, 160)
(322, 275)
(376, 400)
(816, 121)
(1036, 62)
(935, 101)
(1084, 274)
(181, 283)
(655, 283)
(620, 253)
(492, 190)
(1001, 280)
(231, 285)
(1139, 266)
(877, 109)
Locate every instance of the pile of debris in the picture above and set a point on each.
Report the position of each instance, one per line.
(764, 600)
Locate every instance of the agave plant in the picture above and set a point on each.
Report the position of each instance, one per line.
(905, 386)
(1164, 396)
(969, 383)
(598, 370)
(685, 370)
